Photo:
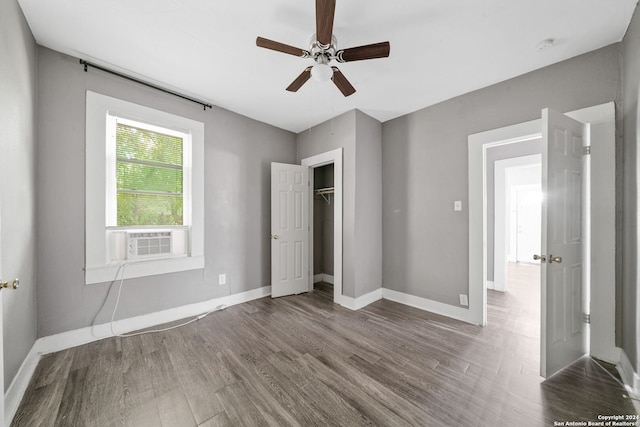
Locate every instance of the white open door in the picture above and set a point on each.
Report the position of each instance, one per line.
(563, 334)
(289, 229)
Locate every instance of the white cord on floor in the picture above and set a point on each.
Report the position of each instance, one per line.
(115, 308)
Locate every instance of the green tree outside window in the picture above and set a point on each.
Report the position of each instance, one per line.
(149, 177)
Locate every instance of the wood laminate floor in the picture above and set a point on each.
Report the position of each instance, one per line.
(304, 361)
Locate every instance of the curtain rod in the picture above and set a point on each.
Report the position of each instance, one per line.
(124, 76)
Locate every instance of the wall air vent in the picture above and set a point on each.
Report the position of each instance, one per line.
(149, 244)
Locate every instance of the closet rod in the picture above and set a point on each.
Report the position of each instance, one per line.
(124, 76)
(328, 190)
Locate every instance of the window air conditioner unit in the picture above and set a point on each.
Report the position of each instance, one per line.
(149, 244)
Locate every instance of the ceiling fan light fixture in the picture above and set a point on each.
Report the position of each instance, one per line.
(322, 72)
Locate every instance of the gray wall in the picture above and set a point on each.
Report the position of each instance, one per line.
(17, 192)
(238, 153)
(502, 152)
(360, 137)
(368, 259)
(424, 167)
(627, 297)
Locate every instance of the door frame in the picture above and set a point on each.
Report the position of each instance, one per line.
(602, 174)
(335, 157)
(478, 145)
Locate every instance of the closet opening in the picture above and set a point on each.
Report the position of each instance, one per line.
(325, 212)
(323, 227)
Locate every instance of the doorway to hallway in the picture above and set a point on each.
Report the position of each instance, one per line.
(513, 302)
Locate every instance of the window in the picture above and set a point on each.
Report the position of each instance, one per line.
(144, 192)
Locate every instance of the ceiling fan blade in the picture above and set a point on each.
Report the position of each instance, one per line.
(325, 11)
(342, 83)
(281, 47)
(300, 80)
(370, 51)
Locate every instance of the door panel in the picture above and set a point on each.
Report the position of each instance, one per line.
(289, 229)
(563, 335)
(576, 299)
(284, 250)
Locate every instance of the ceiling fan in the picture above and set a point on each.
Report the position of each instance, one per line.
(323, 49)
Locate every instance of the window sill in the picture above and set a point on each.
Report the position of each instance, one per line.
(108, 273)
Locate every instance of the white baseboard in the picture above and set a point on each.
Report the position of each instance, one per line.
(497, 286)
(18, 386)
(323, 277)
(630, 378)
(360, 302)
(490, 284)
(65, 340)
(436, 307)
(86, 335)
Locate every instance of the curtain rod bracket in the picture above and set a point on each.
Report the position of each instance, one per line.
(124, 76)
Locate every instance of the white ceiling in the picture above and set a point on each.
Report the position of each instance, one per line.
(439, 48)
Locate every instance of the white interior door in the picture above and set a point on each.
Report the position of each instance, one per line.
(289, 229)
(563, 333)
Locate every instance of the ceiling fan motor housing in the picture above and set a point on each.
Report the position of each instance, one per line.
(320, 54)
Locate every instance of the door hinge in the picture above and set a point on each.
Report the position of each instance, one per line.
(586, 150)
(586, 317)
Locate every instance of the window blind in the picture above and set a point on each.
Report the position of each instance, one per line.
(148, 177)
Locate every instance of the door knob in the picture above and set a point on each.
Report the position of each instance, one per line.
(553, 259)
(541, 258)
(275, 236)
(15, 283)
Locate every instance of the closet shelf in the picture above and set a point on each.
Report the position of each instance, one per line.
(324, 192)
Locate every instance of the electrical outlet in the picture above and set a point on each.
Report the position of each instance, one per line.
(457, 205)
(222, 279)
(464, 300)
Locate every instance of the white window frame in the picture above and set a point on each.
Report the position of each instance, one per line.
(100, 265)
